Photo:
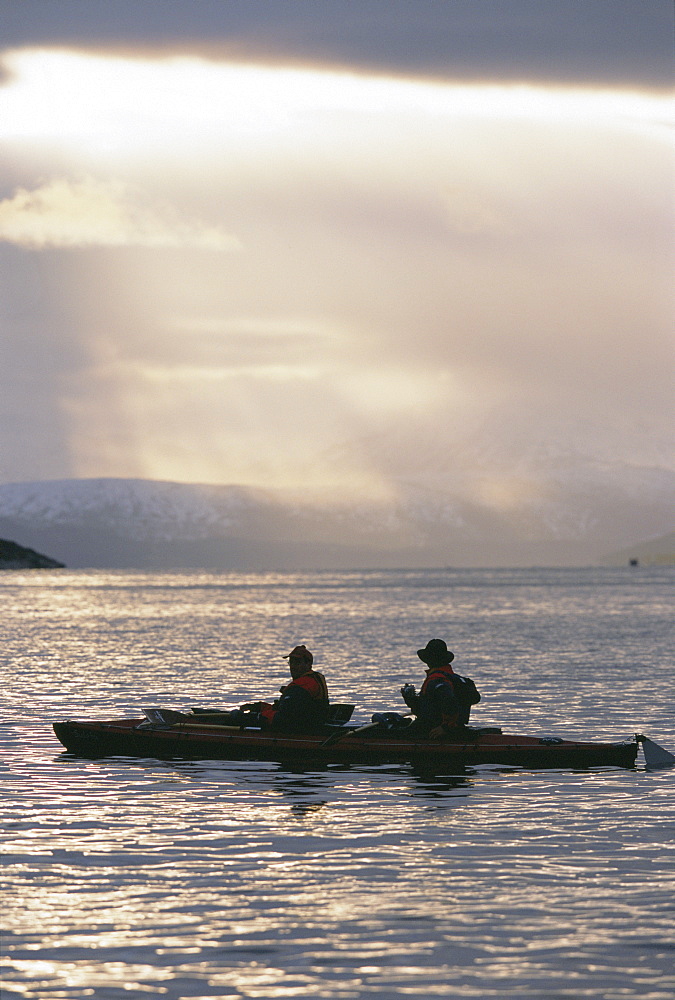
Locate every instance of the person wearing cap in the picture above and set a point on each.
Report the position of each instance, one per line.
(445, 699)
(304, 702)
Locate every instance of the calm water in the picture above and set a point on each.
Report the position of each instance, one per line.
(205, 879)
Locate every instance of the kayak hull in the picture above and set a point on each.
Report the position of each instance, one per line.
(135, 738)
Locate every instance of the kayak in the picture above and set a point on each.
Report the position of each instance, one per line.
(167, 734)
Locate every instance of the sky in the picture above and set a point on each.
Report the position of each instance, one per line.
(334, 245)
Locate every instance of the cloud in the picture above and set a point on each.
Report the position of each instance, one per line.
(97, 213)
(617, 41)
(435, 276)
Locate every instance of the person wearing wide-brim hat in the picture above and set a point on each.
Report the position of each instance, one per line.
(445, 699)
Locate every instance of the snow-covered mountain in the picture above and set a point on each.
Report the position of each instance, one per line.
(133, 508)
(551, 510)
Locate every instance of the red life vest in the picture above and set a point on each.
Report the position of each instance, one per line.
(313, 682)
(464, 691)
(445, 674)
(435, 674)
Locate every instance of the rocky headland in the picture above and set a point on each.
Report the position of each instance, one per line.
(13, 556)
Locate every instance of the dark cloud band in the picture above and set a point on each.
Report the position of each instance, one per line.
(615, 42)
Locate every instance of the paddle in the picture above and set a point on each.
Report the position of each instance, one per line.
(338, 714)
(168, 717)
(334, 737)
(164, 716)
(342, 733)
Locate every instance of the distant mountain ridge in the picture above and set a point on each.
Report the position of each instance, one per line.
(132, 523)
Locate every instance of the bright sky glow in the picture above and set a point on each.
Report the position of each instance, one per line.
(130, 105)
(247, 269)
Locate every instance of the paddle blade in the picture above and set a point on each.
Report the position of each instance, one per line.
(656, 756)
(164, 716)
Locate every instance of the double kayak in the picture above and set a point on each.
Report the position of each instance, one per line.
(166, 734)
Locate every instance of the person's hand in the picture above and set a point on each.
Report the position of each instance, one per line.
(410, 696)
(438, 733)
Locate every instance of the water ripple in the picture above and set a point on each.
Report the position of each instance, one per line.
(199, 879)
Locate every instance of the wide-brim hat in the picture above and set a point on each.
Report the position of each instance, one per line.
(436, 651)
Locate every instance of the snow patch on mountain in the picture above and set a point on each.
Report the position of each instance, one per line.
(136, 508)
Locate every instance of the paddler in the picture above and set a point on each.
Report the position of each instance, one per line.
(304, 702)
(445, 699)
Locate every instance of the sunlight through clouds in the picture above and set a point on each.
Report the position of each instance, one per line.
(123, 104)
(414, 261)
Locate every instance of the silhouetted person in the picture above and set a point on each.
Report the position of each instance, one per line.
(304, 702)
(445, 699)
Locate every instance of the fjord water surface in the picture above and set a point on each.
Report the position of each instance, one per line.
(196, 879)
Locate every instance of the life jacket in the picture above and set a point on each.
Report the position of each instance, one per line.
(313, 684)
(446, 674)
(463, 689)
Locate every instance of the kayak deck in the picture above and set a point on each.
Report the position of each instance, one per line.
(139, 738)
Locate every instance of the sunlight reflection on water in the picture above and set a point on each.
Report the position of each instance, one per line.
(195, 879)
